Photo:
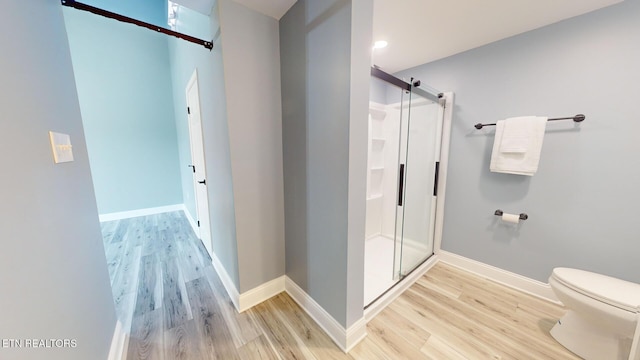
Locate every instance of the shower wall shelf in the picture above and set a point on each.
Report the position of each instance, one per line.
(376, 163)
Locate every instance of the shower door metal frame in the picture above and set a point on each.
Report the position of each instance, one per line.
(385, 76)
(438, 98)
(447, 99)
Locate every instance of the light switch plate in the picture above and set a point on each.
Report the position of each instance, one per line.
(61, 146)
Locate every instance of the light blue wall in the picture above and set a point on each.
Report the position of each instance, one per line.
(53, 272)
(124, 86)
(378, 90)
(193, 23)
(182, 65)
(383, 92)
(149, 11)
(582, 202)
(316, 62)
(155, 12)
(185, 57)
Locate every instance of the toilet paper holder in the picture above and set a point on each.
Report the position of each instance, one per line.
(523, 216)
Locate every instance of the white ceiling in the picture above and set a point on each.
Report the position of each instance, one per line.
(421, 31)
(201, 6)
(274, 8)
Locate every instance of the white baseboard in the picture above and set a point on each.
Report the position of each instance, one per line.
(140, 212)
(119, 343)
(512, 280)
(193, 223)
(355, 333)
(399, 288)
(226, 281)
(255, 296)
(346, 339)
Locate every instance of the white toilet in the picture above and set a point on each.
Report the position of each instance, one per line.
(602, 318)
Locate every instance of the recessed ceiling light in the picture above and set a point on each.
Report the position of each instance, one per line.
(380, 44)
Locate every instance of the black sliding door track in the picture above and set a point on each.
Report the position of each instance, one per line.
(385, 76)
(112, 15)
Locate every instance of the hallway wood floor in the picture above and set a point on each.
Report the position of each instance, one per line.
(167, 293)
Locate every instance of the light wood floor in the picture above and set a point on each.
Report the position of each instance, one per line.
(167, 292)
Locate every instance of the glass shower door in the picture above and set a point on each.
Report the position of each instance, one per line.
(419, 156)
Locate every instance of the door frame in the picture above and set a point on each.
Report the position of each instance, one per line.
(203, 231)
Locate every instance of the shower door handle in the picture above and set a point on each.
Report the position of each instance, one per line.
(401, 185)
(435, 179)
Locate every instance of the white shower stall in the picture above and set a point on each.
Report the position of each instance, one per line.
(405, 132)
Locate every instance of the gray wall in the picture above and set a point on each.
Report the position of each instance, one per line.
(583, 200)
(361, 40)
(185, 57)
(316, 59)
(53, 271)
(252, 81)
(124, 87)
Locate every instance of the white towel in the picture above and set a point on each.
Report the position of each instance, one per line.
(516, 136)
(517, 145)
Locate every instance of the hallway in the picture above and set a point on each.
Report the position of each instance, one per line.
(168, 293)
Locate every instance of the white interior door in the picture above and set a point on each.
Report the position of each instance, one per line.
(197, 158)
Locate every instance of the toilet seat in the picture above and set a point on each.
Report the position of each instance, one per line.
(622, 294)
